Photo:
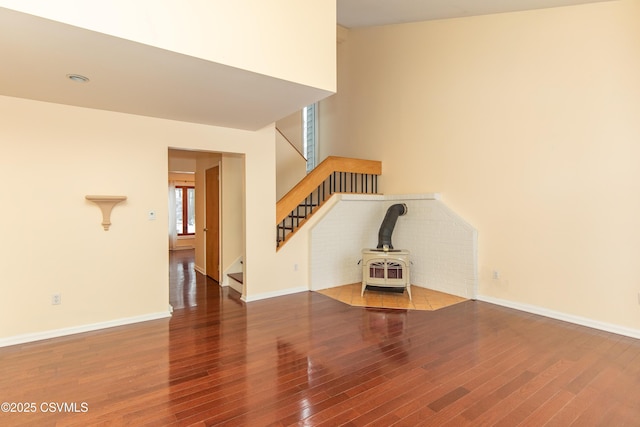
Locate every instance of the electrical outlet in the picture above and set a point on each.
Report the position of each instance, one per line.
(295, 267)
(56, 299)
(496, 275)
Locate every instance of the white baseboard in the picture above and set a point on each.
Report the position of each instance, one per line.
(55, 333)
(274, 294)
(578, 320)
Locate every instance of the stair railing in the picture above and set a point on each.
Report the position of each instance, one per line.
(291, 144)
(333, 175)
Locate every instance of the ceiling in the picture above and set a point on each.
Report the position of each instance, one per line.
(125, 76)
(365, 13)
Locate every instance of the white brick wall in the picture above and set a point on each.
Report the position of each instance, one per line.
(443, 246)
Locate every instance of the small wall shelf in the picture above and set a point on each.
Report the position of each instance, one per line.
(106, 204)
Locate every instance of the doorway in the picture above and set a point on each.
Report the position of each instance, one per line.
(220, 250)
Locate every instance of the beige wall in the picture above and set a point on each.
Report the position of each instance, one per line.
(56, 241)
(334, 111)
(261, 31)
(182, 161)
(528, 124)
(111, 277)
(53, 238)
(291, 128)
(291, 167)
(182, 178)
(232, 210)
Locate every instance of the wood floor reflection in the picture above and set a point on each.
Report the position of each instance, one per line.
(306, 360)
(184, 280)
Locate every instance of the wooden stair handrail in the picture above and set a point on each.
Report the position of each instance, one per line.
(331, 164)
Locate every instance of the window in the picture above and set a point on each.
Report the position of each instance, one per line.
(310, 135)
(185, 210)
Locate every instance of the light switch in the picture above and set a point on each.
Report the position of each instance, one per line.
(152, 215)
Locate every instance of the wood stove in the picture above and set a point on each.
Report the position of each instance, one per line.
(385, 268)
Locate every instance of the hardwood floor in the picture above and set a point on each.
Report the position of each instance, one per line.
(308, 360)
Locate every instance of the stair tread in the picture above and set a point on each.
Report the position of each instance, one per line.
(238, 277)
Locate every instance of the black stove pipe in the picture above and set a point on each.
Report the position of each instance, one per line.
(389, 222)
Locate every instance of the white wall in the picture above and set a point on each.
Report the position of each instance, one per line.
(527, 124)
(442, 246)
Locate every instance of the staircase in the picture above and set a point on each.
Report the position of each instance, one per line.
(333, 175)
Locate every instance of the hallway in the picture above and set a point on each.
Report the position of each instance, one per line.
(186, 286)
